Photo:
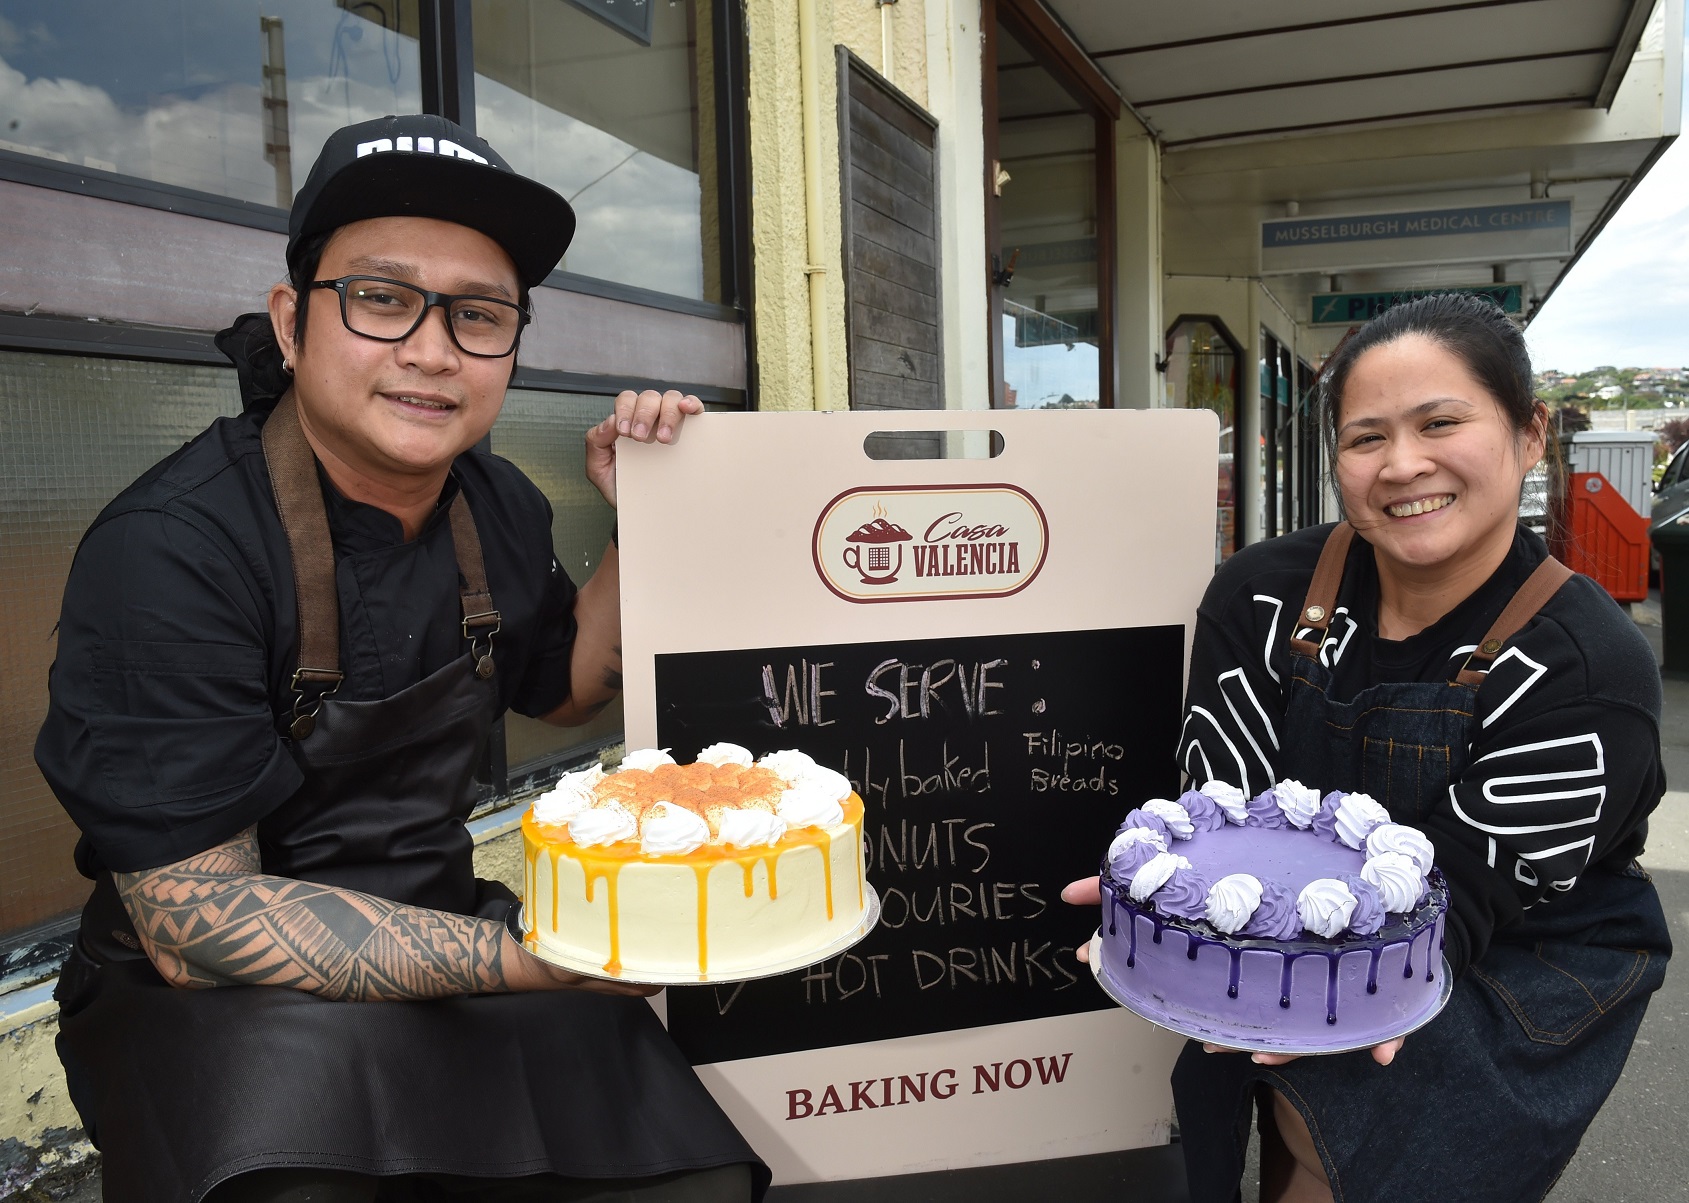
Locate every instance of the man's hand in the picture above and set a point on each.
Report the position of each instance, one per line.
(650, 417)
(1088, 891)
(524, 971)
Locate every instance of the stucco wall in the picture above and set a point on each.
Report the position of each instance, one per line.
(779, 222)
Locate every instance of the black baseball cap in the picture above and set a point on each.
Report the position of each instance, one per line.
(425, 166)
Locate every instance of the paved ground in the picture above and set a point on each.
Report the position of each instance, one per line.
(1637, 1151)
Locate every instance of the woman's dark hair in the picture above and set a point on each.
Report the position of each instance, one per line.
(1471, 328)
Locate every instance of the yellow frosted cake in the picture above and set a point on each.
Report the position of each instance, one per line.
(719, 869)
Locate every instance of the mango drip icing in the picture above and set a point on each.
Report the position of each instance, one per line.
(706, 790)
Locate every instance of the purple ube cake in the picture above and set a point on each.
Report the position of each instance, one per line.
(1285, 922)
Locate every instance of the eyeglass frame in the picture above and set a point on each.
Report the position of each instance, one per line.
(430, 300)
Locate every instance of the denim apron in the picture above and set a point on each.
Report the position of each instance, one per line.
(1488, 1101)
(184, 1089)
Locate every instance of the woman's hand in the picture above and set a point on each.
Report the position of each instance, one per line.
(1087, 891)
(650, 417)
(1381, 1053)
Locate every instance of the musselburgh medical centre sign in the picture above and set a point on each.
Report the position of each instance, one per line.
(1459, 234)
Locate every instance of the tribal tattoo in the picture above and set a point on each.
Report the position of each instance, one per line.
(216, 919)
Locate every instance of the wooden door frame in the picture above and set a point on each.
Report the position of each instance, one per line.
(1055, 50)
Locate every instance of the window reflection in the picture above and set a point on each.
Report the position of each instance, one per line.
(1202, 364)
(1047, 146)
(232, 97)
(609, 102)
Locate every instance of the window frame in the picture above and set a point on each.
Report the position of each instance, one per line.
(447, 52)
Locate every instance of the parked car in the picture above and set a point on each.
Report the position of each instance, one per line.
(1671, 496)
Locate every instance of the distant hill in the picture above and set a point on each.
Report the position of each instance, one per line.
(1616, 388)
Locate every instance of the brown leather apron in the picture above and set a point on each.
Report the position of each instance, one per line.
(183, 1089)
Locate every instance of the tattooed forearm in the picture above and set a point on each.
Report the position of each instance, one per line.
(216, 919)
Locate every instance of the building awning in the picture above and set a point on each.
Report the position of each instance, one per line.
(1322, 107)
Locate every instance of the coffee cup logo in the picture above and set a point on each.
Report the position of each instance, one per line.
(876, 551)
(945, 542)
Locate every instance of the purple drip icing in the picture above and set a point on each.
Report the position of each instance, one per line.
(1407, 966)
(1237, 972)
(1372, 973)
(1331, 989)
(1284, 981)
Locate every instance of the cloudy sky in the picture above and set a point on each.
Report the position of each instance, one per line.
(1626, 303)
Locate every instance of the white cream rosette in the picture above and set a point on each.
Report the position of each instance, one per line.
(1299, 802)
(670, 830)
(1358, 815)
(1233, 899)
(568, 797)
(1409, 841)
(1136, 835)
(1229, 798)
(1325, 907)
(1399, 881)
(791, 765)
(750, 828)
(1176, 817)
(811, 804)
(1153, 874)
(610, 823)
(720, 754)
(646, 758)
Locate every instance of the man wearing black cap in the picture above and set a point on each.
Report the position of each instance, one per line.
(280, 654)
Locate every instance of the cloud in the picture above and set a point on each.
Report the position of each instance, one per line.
(1626, 302)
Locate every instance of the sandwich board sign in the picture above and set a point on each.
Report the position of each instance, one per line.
(994, 651)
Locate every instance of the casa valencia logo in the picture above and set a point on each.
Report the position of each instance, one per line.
(930, 542)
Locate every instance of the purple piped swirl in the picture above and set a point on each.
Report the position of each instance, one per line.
(1126, 855)
(1277, 917)
(1369, 904)
(1264, 811)
(1325, 823)
(1142, 818)
(1185, 896)
(1205, 813)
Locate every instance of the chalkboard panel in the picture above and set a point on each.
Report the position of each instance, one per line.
(994, 770)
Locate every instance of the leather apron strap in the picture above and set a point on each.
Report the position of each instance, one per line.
(1322, 591)
(1533, 595)
(304, 519)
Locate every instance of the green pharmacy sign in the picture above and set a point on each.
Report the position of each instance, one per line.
(1352, 308)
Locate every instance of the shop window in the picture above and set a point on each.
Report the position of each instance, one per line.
(232, 97)
(544, 433)
(1049, 212)
(1202, 373)
(74, 438)
(611, 102)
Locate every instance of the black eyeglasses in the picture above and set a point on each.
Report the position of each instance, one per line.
(390, 311)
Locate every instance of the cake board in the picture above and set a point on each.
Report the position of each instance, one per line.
(802, 960)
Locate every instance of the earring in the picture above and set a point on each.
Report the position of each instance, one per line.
(287, 366)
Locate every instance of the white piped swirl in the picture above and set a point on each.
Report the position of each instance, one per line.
(720, 754)
(1399, 881)
(1229, 798)
(1298, 802)
(1153, 874)
(566, 799)
(670, 830)
(1409, 841)
(1358, 815)
(1233, 899)
(1325, 907)
(607, 823)
(646, 758)
(751, 828)
(1176, 817)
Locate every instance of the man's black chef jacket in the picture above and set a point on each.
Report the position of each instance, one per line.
(179, 635)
